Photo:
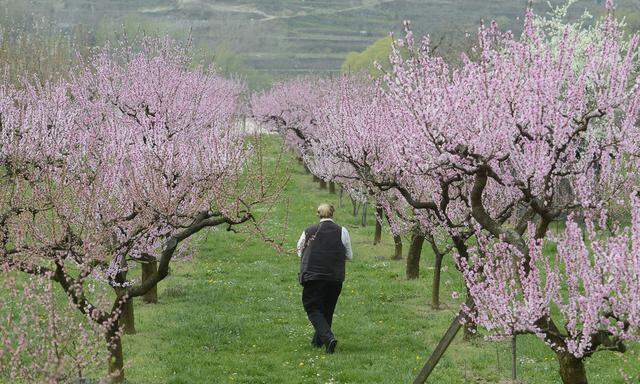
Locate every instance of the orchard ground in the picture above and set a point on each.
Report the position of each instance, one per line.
(233, 315)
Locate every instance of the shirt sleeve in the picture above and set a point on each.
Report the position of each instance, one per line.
(346, 241)
(300, 246)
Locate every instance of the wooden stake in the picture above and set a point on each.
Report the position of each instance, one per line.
(514, 360)
(440, 350)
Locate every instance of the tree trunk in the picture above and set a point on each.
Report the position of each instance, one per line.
(470, 327)
(127, 319)
(332, 187)
(323, 184)
(340, 200)
(397, 240)
(354, 203)
(470, 331)
(316, 178)
(571, 369)
(437, 272)
(377, 237)
(148, 269)
(413, 256)
(364, 214)
(116, 358)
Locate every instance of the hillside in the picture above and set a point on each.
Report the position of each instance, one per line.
(285, 37)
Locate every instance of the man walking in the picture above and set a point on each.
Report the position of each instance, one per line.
(324, 249)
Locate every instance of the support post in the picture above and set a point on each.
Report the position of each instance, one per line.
(514, 359)
(437, 354)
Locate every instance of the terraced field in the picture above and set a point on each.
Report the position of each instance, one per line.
(284, 37)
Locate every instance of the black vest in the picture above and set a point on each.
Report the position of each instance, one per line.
(324, 255)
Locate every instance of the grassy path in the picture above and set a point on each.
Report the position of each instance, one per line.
(233, 315)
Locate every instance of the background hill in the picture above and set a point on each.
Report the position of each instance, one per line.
(277, 38)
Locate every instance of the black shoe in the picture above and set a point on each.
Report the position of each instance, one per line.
(316, 342)
(331, 346)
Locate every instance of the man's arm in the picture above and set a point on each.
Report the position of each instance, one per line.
(300, 246)
(346, 241)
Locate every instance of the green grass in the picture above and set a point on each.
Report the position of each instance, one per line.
(234, 315)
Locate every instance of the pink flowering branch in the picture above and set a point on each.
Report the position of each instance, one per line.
(124, 162)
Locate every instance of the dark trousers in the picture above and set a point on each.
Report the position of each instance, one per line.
(319, 299)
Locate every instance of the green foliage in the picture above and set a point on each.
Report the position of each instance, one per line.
(231, 63)
(631, 19)
(364, 61)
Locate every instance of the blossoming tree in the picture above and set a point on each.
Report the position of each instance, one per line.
(127, 160)
(298, 110)
(539, 131)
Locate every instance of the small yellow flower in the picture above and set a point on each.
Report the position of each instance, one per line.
(301, 364)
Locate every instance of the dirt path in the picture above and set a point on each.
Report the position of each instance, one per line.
(250, 9)
(323, 12)
(251, 126)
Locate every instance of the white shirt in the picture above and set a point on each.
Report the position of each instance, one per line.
(346, 241)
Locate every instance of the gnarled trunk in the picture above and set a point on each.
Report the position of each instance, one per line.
(377, 237)
(397, 240)
(437, 271)
(127, 318)
(571, 369)
(148, 269)
(116, 358)
(470, 330)
(413, 256)
(470, 327)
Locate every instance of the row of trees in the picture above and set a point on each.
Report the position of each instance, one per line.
(289, 109)
(484, 156)
(121, 163)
